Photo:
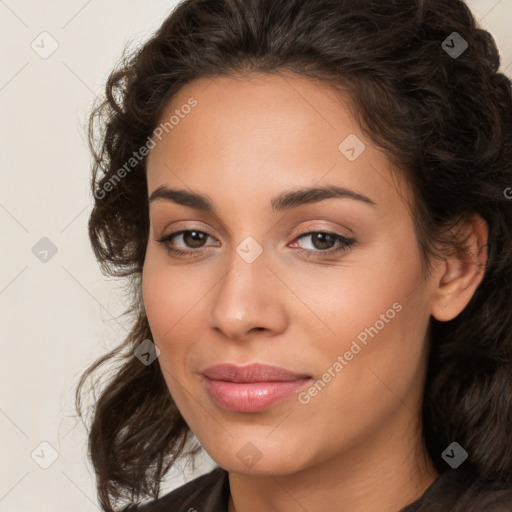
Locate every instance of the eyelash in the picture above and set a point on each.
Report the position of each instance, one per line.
(344, 244)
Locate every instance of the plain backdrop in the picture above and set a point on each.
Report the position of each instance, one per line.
(58, 312)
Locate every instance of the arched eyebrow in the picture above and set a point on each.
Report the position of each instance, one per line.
(284, 201)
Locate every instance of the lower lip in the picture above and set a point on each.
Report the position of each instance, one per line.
(251, 396)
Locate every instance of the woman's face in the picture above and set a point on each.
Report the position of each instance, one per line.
(329, 287)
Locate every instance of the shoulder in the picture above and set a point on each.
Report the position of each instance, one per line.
(458, 491)
(208, 492)
(486, 497)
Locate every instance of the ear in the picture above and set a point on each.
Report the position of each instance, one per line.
(460, 274)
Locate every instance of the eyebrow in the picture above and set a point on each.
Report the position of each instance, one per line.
(284, 201)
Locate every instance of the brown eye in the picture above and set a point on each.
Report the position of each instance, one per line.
(322, 241)
(324, 244)
(194, 239)
(186, 241)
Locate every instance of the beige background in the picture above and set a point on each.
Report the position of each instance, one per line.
(56, 317)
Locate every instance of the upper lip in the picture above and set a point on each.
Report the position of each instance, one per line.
(255, 372)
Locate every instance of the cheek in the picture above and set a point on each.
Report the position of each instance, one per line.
(170, 294)
(165, 305)
(175, 301)
(365, 292)
(378, 313)
(158, 302)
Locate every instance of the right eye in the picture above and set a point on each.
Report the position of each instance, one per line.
(192, 241)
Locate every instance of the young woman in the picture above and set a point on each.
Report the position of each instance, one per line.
(311, 201)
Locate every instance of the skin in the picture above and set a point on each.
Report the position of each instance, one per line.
(357, 443)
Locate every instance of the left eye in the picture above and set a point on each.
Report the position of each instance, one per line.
(322, 241)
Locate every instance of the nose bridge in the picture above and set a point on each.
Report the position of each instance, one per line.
(246, 297)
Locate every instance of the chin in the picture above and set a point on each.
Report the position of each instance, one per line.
(249, 460)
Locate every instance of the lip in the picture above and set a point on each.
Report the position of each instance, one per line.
(251, 388)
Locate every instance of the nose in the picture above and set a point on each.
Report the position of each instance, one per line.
(249, 298)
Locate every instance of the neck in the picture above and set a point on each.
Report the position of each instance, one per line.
(386, 474)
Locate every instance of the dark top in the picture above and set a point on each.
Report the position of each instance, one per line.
(452, 491)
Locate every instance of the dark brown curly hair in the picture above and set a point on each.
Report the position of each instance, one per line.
(445, 121)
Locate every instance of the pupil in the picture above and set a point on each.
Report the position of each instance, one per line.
(322, 238)
(191, 238)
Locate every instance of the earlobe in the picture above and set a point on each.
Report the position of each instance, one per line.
(461, 273)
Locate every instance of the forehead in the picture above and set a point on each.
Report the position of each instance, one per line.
(245, 113)
(263, 102)
(264, 132)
